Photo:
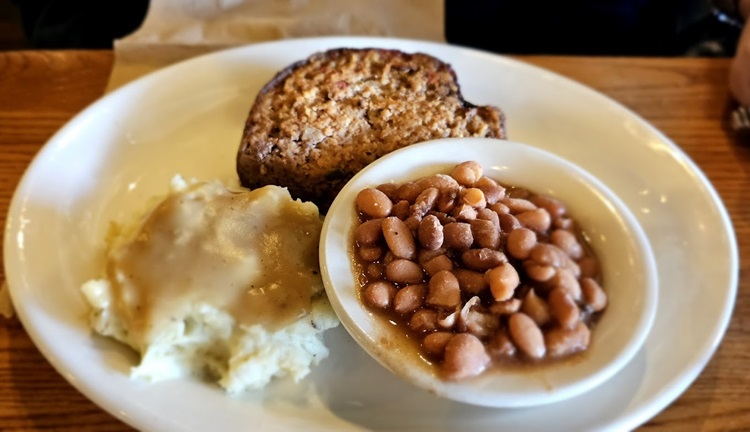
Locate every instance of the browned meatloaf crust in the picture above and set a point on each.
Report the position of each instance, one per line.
(319, 121)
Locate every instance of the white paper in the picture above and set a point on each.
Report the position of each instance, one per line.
(177, 29)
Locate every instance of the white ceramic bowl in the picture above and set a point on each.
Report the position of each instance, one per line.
(626, 260)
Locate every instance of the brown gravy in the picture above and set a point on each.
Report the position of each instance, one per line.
(252, 254)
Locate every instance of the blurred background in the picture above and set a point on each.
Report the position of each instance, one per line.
(591, 27)
(12, 36)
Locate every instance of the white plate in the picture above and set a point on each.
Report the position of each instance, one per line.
(188, 118)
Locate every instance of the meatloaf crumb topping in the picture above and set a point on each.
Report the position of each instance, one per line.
(320, 121)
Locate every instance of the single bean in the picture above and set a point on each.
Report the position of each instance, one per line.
(423, 321)
(493, 192)
(473, 197)
(403, 272)
(464, 212)
(589, 267)
(499, 208)
(399, 238)
(408, 191)
(370, 253)
(566, 280)
(519, 192)
(567, 263)
(412, 222)
(506, 307)
(483, 259)
(520, 242)
(465, 356)
(554, 206)
(536, 308)
(425, 255)
(562, 342)
(440, 262)
(573, 267)
(537, 272)
(434, 343)
(409, 298)
(457, 235)
(471, 282)
(489, 215)
(567, 242)
(373, 203)
(503, 281)
(425, 202)
(467, 173)
(500, 346)
(593, 294)
(438, 181)
(444, 290)
(508, 222)
(518, 205)
(401, 209)
(379, 294)
(389, 189)
(369, 232)
(430, 233)
(447, 200)
(547, 254)
(485, 234)
(563, 308)
(537, 220)
(526, 335)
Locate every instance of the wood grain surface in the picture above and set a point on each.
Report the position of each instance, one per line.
(687, 99)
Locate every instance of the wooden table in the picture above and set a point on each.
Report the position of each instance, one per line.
(685, 98)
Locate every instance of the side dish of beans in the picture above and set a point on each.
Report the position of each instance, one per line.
(477, 272)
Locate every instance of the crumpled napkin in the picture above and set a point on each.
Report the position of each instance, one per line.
(178, 29)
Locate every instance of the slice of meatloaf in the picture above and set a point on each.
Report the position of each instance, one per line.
(319, 121)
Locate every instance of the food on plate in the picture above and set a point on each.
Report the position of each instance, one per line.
(216, 282)
(477, 272)
(321, 120)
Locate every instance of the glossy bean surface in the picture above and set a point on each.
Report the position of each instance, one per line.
(477, 272)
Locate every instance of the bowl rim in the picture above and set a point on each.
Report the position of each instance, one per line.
(462, 391)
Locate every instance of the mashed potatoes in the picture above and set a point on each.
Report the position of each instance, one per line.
(217, 283)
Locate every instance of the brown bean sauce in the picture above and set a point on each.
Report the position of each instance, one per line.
(485, 318)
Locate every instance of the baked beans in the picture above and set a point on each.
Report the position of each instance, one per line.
(477, 271)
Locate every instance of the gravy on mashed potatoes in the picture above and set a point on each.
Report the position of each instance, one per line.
(219, 282)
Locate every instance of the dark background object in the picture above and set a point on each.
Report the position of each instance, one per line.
(51, 24)
(585, 27)
(11, 30)
(590, 27)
